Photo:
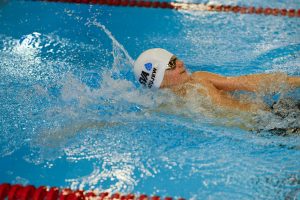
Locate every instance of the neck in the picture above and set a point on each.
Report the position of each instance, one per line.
(181, 89)
(170, 85)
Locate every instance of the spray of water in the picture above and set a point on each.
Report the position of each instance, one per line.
(110, 125)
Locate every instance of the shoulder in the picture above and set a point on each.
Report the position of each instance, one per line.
(203, 75)
(199, 75)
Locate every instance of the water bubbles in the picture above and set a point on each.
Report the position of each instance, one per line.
(75, 105)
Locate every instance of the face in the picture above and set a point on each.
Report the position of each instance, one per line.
(176, 74)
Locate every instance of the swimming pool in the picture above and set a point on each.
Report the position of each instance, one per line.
(72, 114)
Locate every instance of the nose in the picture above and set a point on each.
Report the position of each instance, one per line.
(179, 63)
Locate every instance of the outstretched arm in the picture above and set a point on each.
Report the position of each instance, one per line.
(227, 101)
(294, 81)
(253, 83)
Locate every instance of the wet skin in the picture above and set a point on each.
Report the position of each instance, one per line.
(216, 86)
(176, 76)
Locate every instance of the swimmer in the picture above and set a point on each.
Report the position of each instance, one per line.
(158, 68)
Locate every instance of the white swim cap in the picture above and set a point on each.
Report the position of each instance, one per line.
(150, 67)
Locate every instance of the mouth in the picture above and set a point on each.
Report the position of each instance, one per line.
(182, 72)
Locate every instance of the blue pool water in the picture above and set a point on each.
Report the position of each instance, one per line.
(72, 114)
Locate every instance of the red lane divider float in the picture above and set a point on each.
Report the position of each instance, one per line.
(189, 6)
(29, 192)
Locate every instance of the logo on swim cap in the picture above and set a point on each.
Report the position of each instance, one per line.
(143, 78)
(150, 66)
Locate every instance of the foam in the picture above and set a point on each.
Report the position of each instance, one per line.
(122, 138)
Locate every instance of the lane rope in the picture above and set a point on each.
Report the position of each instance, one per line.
(189, 6)
(29, 192)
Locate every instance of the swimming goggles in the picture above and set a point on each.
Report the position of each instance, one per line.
(172, 63)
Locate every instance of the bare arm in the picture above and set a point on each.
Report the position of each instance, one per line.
(253, 83)
(226, 101)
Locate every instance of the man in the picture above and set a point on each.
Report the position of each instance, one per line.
(158, 68)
